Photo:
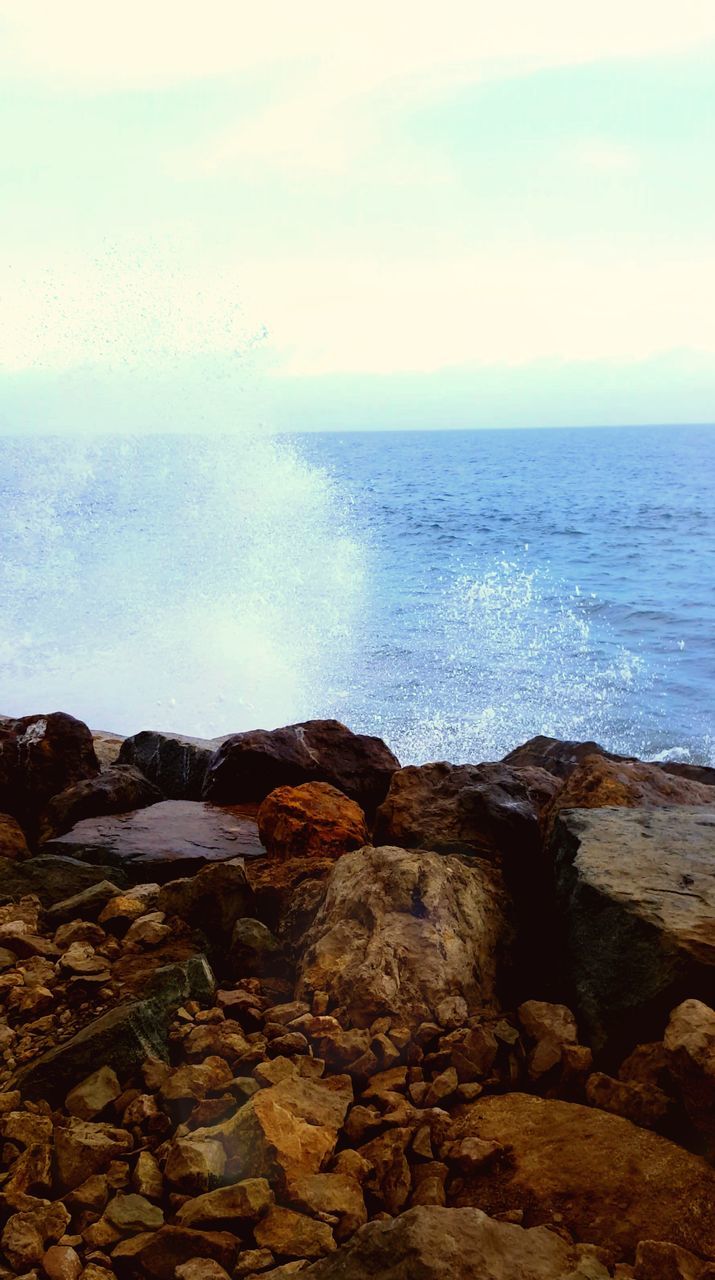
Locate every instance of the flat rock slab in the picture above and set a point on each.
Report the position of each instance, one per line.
(170, 839)
(53, 878)
(636, 890)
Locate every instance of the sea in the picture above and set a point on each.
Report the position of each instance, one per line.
(454, 592)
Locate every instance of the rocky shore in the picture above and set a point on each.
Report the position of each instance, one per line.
(272, 1005)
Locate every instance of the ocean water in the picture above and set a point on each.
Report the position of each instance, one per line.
(453, 592)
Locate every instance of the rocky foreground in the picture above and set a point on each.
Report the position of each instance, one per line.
(273, 1005)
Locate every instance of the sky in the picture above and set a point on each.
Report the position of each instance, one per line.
(394, 214)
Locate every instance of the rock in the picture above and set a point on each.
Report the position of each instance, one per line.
(636, 892)
(26, 1235)
(247, 766)
(245, 1201)
(293, 1235)
(90, 1098)
(557, 757)
(147, 931)
(83, 1148)
(121, 911)
(433, 1243)
(123, 1037)
(658, 1260)
(338, 1194)
(118, 789)
(644, 1104)
(146, 1178)
(12, 838)
(694, 772)
(690, 1044)
(254, 950)
(602, 1175)
(161, 1253)
(132, 1213)
(486, 809)
(201, 1269)
(174, 763)
(211, 901)
(399, 931)
(314, 820)
(40, 756)
(194, 1164)
(53, 879)
(61, 1262)
(285, 1132)
(176, 837)
(86, 905)
(551, 1026)
(600, 783)
(106, 747)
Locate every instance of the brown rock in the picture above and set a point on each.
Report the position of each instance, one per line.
(690, 1044)
(146, 1178)
(12, 838)
(245, 1201)
(26, 1235)
(194, 1164)
(132, 1214)
(170, 839)
(313, 820)
(334, 1193)
(90, 1098)
(658, 1260)
(598, 783)
(389, 1179)
(170, 1247)
(401, 930)
(61, 1262)
(201, 1269)
(557, 757)
(637, 895)
(644, 1104)
(433, 1243)
(82, 1149)
(248, 766)
(551, 1026)
(40, 756)
(485, 809)
(568, 1159)
(117, 789)
(293, 1235)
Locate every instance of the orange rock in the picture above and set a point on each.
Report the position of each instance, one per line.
(12, 838)
(599, 782)
(313, 820)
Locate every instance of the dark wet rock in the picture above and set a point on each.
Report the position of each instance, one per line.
(122, 1038)
(399, 931)
(247, 766)
(485, 809)
(211, 901)
(254, 950)
(433, 1243)
(86, 905)
(174, 838)
(118, 789)
(556, 756)
(605, 1177)
(52, 877)
(40, 756)
(175, 763)
(636, 892)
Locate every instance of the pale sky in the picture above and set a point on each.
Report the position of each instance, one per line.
(335, 215)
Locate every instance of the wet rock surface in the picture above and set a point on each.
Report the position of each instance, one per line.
(349, 1086)
(176, 764)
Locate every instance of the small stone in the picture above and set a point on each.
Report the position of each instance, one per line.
(293, 1235)
(90, 1098)
(244, 1201)
(193, 1164)
(26, 1235)
(442, 1087)
(133, 1213)
(61, 1262)
(147, 931)
(146, 1178)
(201, 1269)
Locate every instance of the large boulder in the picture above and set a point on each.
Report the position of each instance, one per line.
(606, 1180)
(434, 1243)
(400, 931)
(486, 809)
(247, 766)
(170, 839)
(40, 756)
(636, 894)
(117, 789)
(599, 783)
(174, 763)
(53, 878)
(556, 756)
(314, 820)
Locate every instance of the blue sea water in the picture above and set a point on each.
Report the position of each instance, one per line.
(454, 592)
